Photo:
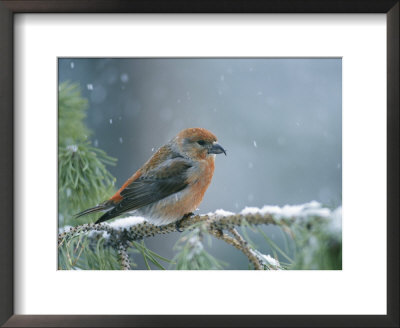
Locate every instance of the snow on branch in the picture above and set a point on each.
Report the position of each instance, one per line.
(120, 233)
(136, 228)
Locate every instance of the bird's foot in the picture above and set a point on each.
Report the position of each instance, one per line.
(220, 232)
(178, 224)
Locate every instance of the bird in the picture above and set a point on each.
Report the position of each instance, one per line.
(170, 185)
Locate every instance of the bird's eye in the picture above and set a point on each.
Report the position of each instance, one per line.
(201, 142)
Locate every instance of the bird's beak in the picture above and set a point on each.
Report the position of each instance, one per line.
(216, 149)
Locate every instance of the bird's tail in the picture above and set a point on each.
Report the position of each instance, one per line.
(101, 207)
(106, 216)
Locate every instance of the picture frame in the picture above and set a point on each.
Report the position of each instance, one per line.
(8, 199)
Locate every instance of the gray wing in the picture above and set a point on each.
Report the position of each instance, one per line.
(165, 180)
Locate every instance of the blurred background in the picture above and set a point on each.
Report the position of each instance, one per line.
(280, 121)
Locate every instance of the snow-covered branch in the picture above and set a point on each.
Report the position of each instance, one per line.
(126, 230)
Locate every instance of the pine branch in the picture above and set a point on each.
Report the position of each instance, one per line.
(117, 234)
(143, 230)
(83, 177)
(246, 249)
(123, 257)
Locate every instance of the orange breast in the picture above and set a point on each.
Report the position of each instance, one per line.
(198, 184)
(199, 188)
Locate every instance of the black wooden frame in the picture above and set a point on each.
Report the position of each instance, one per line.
(7, 201)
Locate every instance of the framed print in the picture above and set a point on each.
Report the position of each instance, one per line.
(116, 119)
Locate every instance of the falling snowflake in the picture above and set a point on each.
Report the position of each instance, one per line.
(124, 78)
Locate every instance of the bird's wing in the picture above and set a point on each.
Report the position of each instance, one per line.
(166, 179)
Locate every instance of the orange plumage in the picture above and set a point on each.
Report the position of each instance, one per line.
(171, 184)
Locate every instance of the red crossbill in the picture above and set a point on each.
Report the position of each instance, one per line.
(171, 184)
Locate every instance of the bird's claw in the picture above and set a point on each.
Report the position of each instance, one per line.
(220, 232)
(178, 224)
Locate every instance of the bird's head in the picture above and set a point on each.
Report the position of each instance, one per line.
(198, 143)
